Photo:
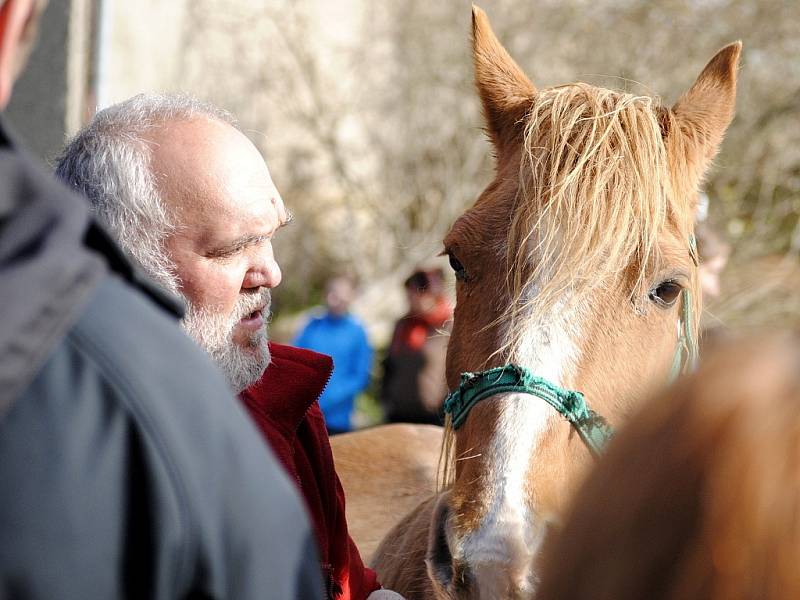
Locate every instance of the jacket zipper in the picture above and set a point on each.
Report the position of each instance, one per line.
(305, 414)
(327, 568)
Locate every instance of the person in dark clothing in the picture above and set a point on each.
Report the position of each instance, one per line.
(413, 386)
(127, 467)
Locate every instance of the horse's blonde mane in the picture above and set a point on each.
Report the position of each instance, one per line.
(594, 194)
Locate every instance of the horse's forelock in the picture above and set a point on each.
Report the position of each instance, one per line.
(595, 193)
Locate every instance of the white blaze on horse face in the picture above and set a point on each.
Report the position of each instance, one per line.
(501, 550)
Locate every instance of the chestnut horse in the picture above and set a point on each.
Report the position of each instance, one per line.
(575, 271)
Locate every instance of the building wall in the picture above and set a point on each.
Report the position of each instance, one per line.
(37, 112)
(140, 50)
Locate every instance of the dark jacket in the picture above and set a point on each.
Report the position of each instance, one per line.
(127, 468)
(414, 386)
(283, 403)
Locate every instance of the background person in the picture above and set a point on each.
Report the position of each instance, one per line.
(339, 334)
(128, 469)
(413, 386)
(713, 252)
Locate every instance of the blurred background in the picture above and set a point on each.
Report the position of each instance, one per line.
(366, 113)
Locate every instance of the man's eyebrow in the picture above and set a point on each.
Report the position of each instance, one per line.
(247, 240)
(237, 244)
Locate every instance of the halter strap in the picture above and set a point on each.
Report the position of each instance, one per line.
(685, 359)
(474, 387)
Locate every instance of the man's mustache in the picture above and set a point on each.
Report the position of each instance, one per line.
(251, 302)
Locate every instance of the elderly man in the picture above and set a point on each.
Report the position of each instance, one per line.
(127, 468)
(190, 198)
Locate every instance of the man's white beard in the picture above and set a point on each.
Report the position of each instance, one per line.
(214, 333)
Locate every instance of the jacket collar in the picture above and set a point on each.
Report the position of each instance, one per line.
(293, 381)
(99, 239)
(47, 271)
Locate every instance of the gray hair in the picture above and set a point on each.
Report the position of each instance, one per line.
(109, 162)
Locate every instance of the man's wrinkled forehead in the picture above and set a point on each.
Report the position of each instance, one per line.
(199, 162)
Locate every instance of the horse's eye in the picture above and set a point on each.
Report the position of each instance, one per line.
(666, 293)
(458, 268)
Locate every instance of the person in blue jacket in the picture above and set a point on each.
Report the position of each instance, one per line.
(341, 335)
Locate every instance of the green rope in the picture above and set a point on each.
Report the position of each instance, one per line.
(474, 387)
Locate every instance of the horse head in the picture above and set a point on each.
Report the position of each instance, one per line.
(576, 265)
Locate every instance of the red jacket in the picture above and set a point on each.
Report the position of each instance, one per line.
(284, 405)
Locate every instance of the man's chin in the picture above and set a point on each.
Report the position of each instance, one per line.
(259, 353)
(244, 365)
(247, 338)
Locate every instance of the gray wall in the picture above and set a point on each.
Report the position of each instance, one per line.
(37, 111)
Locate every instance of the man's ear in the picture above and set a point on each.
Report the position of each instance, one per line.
(18, 19)
(704, 112)
(505, 91)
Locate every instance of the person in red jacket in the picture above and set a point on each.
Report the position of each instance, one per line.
(413, 387)
(190, 198)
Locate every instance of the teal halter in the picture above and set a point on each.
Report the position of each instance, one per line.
(592, 428)
(685, 359)
(474, 387)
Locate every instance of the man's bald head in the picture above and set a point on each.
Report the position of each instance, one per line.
(221, 162)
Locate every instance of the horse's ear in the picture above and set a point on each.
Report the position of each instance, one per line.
(705, 111)
(504, 89)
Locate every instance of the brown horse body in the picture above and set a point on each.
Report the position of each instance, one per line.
(571, 263)
(385, 471)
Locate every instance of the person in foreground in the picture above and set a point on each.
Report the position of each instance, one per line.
(190, 198)
(128, 469)
(339, 334)
(698, 498)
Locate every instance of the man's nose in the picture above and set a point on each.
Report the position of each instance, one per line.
(264, 272)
